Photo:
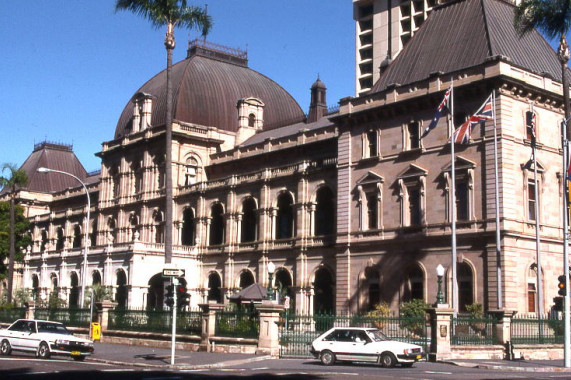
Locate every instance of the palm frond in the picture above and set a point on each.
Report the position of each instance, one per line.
(552, 17)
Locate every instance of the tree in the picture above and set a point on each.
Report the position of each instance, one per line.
(552, 17)
(16, 178)
(169, 13)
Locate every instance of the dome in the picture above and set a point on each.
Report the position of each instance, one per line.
(206, 87)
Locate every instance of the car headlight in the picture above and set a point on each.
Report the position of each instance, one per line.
(407, 351)
(62, 341)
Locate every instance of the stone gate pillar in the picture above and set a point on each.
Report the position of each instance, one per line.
(208, 324)
(268, 341)
(503, 324)
(440, 323)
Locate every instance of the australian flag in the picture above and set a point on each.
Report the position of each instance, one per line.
(442, 108)
(463, 133)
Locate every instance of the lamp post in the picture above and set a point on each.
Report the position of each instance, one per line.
(86, 237)
(439, 295)
(271, 270)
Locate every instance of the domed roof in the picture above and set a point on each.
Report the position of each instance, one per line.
(206, 88)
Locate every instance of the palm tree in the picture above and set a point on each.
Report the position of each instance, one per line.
(169, 13)
(552, 17)
(17, 178)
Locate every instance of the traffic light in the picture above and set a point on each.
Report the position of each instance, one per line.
(182, 296)
(169, 300)
(561, 285)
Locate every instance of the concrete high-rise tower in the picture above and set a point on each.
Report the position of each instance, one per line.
(383, 27)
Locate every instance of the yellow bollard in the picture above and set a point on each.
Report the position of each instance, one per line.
(95, 331)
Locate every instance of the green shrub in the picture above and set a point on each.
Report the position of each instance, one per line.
(413, 316)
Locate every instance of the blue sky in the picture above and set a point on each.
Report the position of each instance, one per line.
(68, 68)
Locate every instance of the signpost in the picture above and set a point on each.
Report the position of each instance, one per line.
(174, 274)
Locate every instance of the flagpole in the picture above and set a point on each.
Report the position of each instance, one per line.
(497, 190)
(566, 307)
(537, 238)
(453, 209)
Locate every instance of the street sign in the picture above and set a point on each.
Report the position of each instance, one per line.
(173, 272)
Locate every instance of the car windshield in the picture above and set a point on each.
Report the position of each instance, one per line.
(377, 335)
(53, 328)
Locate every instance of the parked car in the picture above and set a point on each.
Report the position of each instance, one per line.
(364, 345)
(45, 338)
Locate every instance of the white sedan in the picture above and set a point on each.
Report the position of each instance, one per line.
(45, 338)
(364, 345)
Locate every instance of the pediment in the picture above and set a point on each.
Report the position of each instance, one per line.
(461, 163)
(413, 171)
(370, 178)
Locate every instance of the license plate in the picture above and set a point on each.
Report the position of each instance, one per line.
(75, 353)
(419, 356)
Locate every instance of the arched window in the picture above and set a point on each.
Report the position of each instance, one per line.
(44, 243)
(159, 226)
(122, 291)
(93, 234)
(76, 236)
(112, 229)
(532, 289)
(325, 212)
(413, 284)
(74, 291)
(35, 286)
(96, 278)
(155, 297)
(285, 217)
(54, 285)
(214, 287)
(372, 287)
(465, 286)
(283, 285)
(249, 221)
(216, 224)
(115, 182)
(188, 228)
(191, 171)
(324, 290)
(252, 120)
(59, 239)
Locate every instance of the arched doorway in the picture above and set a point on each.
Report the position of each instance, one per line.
(214, 287)
(413, 284)
(96, 278)
(122, 291)
(74, 290)
(465, 286)
(35, 287)
(155, 297)
(324, 288)
(372, 288)
(283, 285)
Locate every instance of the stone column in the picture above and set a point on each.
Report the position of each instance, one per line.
(440, 323)
(30, 308)
(208, 324)
(268, 340)
(503, 324)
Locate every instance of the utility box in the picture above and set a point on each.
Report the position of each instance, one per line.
(95, 331)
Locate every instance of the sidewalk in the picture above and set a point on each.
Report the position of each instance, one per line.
(153, 357)
(514, 365)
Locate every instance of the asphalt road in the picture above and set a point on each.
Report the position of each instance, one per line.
(24, 366)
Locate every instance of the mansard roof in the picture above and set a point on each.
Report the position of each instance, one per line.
(206, 87)
(57, 157)
(467, 33)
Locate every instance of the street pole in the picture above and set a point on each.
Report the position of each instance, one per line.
(566, 306)
(174, 307)
(86, 229)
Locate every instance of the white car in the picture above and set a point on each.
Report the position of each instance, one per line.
(45, 338)
(364, 345)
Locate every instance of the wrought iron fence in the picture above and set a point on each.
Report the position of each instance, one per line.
(468, 330)
(69, 317)
(533, 329)
(239, 323)
(188, 322)
(11, 314)
(298, 331)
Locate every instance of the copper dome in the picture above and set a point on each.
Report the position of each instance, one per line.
(206, 88)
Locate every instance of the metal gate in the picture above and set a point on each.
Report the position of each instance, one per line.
(298, 331)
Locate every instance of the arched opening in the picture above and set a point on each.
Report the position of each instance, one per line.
(214, 287)
(76, 236)
(324, 212)
(112, 227)
(54, 291)
(159, 227)
(216, 224)
(372, 287)
(249, 221)
(96, 278)
(324, 290)
(93, 234)
(59, 239)
(74, 290)
(465, 286)
(285, 219)
(188, 228)
(122, 291)
(44, 243)
(35, 287)
(246, 279)
(413, 284)
(252, 120)
(155, 297)
(283, 285)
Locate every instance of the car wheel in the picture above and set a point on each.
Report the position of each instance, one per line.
(5, 348)
(327, 357)
(79, 358)
(388, 360)
(43, 351)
